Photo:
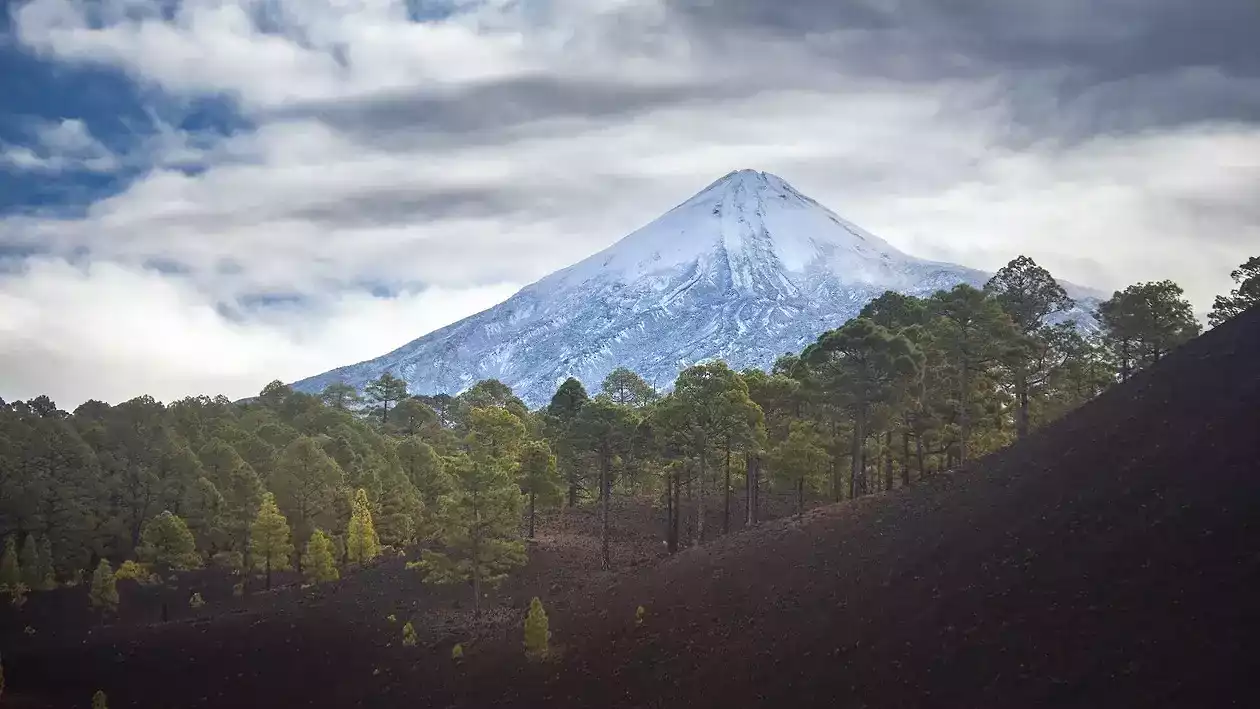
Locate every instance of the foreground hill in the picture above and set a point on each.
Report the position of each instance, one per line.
(1110, 560)
(745, 270)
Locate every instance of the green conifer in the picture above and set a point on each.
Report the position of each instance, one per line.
(536, 633)
(362, 544)
(269, 544)
(98, 700)
(167, 542)
(409, 635)
(10, 571)
(104, 592)
(317, 563)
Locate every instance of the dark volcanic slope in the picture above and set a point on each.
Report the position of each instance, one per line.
(1113, 560)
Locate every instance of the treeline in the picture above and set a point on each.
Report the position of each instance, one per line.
(909, 388)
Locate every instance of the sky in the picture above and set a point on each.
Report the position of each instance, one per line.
(201, 196)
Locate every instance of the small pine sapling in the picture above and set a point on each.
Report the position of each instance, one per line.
(104, 592)
(98, 700)
(29, 630)
(536, 633)
(457, 652)
(409, 635)
(317, 563)
(196, 601)
(392, 618)
(638, 616)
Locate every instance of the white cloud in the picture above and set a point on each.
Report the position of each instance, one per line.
(113, 332)
(60, 145)
(309, 206)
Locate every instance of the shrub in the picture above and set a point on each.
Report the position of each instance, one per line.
(638, 616)
(76, 579)
(238, 589)
(457, 652)
(536, 633)
(132, 570)
(98, 700)
(409, 635)
(104, 592)
(392, 618)
(28, 630)
(18, 592)
(196, 601)
(415, 565)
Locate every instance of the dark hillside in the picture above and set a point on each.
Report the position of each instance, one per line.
(1111, 560)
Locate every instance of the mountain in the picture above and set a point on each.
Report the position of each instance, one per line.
(746, 270)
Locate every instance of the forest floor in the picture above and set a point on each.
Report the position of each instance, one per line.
(1113, 559)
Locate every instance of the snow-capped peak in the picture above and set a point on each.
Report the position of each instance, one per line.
(754, 221)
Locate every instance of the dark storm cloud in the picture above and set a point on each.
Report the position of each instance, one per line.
(1072, 67)
(487, 109)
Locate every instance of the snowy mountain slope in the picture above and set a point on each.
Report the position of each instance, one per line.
(745, 270)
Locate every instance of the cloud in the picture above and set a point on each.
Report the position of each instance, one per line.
(499, 141)
(115, 332)
(57, 146)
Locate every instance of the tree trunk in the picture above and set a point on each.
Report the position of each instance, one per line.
(268, 572)
(675, 495)
(836, 483)
(726, 504)
(859, 440)
(1021, 393)
(699, 538)
(573, 484)
(669, 512)
(531, 514)
(964, 418)
(747, 489)
(605, 493)
(800, 497)
(905, 459)
(1124, 360)
(756, 491)
(888, 458)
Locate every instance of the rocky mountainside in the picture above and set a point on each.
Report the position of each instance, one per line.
(744, 271)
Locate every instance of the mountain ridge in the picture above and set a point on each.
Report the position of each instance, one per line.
(744, 270)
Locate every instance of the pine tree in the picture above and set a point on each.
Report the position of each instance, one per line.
(269, 543)
(538, 478)
(103, 594)
(1246, 295)
(98, 700)
(10, 571)
(362, 543)
(318, 563)
(537, 636)
(605, 429)
(305, 482)
(385, 391)
(480, 522)
(800, 458)
(167, 542)
(409, 635)
(29, 562)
